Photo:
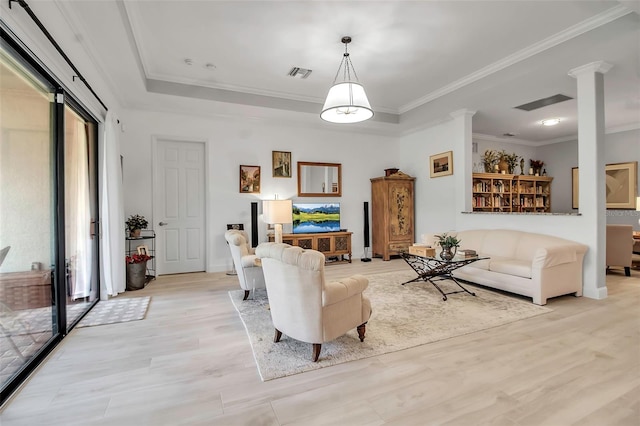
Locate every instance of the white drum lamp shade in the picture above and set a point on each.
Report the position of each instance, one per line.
(277, 212)
(346, 103)
(638, 207)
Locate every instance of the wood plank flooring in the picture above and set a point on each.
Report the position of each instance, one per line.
(190, 363)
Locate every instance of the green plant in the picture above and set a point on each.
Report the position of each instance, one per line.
(136, 222)
(490, 159)
(445, 240)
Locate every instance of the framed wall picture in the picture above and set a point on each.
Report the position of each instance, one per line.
(249, 179)
(574, 188)
(621, 185)
(281, 164)
(441, 164)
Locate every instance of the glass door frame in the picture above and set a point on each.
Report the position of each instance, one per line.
(62, 97)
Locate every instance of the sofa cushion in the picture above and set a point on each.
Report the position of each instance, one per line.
(519, 268)
(484, 264)
(500, 242)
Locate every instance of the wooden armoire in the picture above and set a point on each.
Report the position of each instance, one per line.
(392, 214)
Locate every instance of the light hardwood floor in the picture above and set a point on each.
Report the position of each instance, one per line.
(190, 362)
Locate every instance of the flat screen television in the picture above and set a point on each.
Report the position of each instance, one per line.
(311, 218)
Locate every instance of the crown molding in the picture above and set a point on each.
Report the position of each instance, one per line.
(491, 138)
(554, 40)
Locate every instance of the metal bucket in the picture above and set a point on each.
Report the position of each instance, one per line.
(136, 275)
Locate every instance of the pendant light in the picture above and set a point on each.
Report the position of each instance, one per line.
(346, 101)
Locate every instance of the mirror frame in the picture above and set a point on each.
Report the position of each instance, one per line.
(319, 194)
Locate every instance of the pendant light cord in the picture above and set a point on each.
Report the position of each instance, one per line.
(55, 44)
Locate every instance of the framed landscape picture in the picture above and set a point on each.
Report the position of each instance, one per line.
(281, 164)
(249, 179)
(441, 164)
(621, 185)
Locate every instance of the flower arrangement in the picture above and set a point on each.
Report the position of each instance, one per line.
(137, 258)
(445, 240)
(490, 159)
(136, 222)
(536, 165)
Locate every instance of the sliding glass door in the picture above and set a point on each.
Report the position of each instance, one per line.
(48, 213)
(80, 213)
(28, 319)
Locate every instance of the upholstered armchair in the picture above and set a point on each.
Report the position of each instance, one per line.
(304, 306)
(244, 259)
(620, 247)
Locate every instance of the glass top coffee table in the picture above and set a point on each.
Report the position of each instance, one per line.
(433, 270)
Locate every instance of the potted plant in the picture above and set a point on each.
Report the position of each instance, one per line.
(490, 159)
(136, 271)
(135, 223)
(508, 161)
(448, 242)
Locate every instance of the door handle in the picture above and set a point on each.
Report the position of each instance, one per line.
(163, 223)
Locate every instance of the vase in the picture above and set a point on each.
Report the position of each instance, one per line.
(134, 233)
(503, 166)
(136, 275)
(447, 254)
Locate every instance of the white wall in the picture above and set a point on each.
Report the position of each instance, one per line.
(434, 198)
(235, 141)
(620, 147)
(526, 151)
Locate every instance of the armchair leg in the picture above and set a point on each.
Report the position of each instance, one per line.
(361, 330)
(316, 351)
(627, 271)
(277, 336)
(246, 294)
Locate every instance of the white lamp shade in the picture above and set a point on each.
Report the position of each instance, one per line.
(346, 103)
(277, 211)
(638, 204)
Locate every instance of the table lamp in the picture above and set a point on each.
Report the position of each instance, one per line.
(277, 212)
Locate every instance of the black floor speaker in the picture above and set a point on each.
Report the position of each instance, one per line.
(254, 224)
(366, 233)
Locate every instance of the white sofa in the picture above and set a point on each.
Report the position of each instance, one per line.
(534, 265)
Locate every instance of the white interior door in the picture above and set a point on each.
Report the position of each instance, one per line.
(179, 206)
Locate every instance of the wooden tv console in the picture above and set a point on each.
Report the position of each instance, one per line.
(334, 245)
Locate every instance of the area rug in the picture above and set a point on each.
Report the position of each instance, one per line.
(116, 310)
(403, 317)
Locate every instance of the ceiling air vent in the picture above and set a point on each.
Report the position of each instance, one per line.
(299, 72)
(543, 102)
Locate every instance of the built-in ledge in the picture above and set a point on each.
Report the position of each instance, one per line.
(526, 213)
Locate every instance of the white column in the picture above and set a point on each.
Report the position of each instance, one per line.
(462, 158)
(592, 196)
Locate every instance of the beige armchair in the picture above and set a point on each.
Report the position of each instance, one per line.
(244, 259)
(620, 247)
(304, 306)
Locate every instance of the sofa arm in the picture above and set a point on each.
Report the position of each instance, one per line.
(248, 261)
(548, 257)
(337, 291)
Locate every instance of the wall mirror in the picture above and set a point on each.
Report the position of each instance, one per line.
(319, 179)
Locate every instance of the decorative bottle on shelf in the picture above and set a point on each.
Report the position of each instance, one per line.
(544, 172)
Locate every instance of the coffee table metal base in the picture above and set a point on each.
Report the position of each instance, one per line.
(433, 270)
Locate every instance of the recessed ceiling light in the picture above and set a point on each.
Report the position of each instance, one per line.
(550, 121)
